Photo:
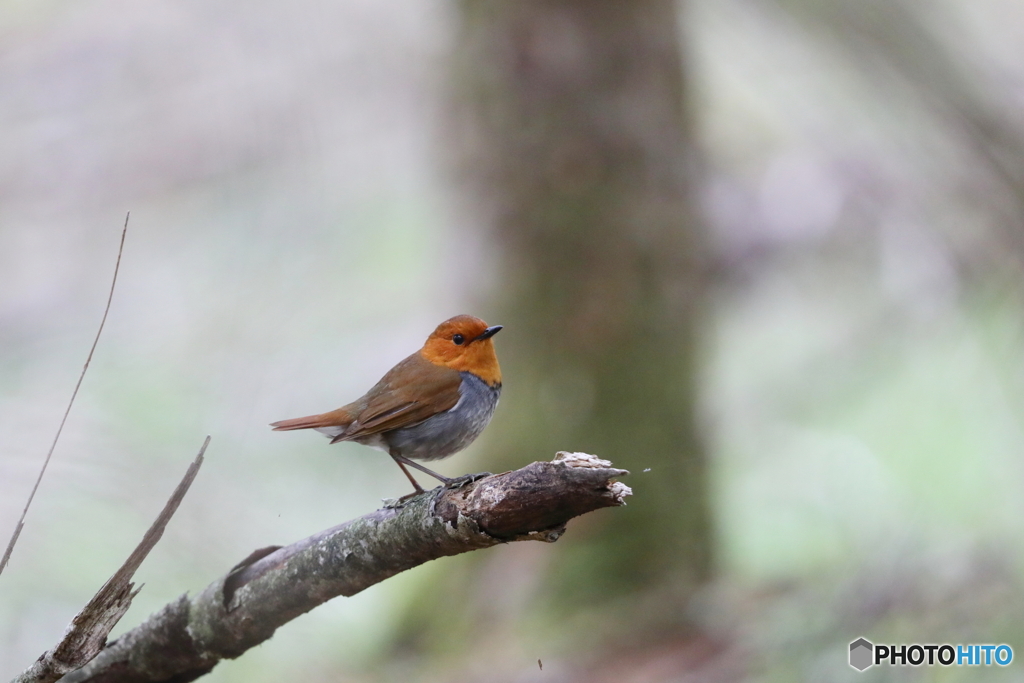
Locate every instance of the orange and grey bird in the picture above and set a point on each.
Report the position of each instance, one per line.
(429, 406)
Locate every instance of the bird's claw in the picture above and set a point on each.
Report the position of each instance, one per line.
(450, 484)
(395, 503)
(459, 482)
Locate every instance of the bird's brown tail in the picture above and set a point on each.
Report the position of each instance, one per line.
(335, 418)
(308, 422)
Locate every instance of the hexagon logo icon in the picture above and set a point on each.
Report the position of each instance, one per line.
(861, 651)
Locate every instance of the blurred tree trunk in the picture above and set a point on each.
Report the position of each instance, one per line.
(571, 121)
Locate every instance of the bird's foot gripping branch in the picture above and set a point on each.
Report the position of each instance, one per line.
(189, 636)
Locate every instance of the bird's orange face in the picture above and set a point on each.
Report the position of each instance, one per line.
(464, 343)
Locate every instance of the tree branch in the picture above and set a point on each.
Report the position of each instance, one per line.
(87, 634)
(274, 585)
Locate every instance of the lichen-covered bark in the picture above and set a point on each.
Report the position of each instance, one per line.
(243, 608)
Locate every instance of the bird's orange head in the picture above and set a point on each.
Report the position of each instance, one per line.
(464, 343)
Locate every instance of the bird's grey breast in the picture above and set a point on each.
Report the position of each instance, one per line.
(449, 432)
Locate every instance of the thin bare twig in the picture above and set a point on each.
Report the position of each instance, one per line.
(39, 479)
(87, 634)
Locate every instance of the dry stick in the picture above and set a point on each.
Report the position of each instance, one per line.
(87, 634)
(188, 636)
(39, 479)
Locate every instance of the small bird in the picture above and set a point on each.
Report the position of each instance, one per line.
(429, 406)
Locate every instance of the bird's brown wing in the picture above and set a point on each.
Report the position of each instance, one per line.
(411, 392)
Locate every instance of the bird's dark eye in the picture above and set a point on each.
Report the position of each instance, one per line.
(458, 339)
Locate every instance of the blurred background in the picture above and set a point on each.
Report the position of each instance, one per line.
(765, 254)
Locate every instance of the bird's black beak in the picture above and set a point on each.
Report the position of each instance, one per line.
(489, 332)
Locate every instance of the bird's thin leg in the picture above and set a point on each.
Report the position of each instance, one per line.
(415, 484)
(401, 459)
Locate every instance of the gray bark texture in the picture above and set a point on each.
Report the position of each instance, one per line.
(274, 585)
(87, 634)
